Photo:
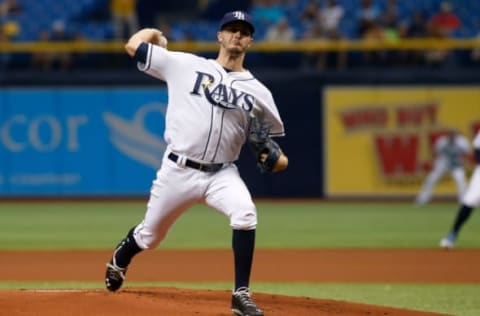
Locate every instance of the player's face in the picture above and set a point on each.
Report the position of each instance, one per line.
(235, 38)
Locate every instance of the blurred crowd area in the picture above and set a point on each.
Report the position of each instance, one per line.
(275, 20)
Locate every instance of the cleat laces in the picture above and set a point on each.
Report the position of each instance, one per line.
(115, 273)
(246, 300)
(243, 294)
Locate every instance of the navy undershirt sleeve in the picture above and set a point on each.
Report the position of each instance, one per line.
(477, 156)
(141, 53)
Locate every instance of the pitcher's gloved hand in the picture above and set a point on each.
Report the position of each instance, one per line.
(268, 153)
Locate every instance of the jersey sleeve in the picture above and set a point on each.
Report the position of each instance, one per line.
(271, 116)
(159, 62)
(273, 119)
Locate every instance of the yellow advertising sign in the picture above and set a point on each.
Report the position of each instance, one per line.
(379, 140)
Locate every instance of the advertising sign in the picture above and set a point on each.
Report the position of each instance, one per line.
(56, 142)
(379, 140)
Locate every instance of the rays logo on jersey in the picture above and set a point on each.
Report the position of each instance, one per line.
(221, 95)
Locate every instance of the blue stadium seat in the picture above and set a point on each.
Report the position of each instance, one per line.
(40, 14)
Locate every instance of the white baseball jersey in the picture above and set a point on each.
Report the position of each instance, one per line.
(207, 120)
(208, 107)
(451, 153)
(472, 196)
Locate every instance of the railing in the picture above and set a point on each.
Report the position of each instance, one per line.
(263, 47)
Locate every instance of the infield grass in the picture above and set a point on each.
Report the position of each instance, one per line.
(283, 224)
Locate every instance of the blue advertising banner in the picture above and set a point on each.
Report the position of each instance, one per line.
(80, 142)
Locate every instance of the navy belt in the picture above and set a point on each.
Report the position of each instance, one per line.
(206, 167)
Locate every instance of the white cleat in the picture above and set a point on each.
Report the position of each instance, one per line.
(448, 242)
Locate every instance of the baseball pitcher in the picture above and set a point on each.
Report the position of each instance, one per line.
(214, 107)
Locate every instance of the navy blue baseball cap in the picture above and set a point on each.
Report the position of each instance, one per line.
(235, 16)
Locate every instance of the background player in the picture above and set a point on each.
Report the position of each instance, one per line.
(210, 115)
(470, 200)
(450, 152)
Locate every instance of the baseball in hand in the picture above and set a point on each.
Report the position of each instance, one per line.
(163, 41)
(157, 38)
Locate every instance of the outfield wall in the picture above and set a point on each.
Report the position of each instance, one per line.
(361, 133)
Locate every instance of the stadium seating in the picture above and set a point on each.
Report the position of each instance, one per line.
(39, 15)
(90, 18)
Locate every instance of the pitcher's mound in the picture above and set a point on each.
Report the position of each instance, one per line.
(173, 302)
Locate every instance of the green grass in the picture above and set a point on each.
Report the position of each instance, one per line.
(285, 224)
(98, 225)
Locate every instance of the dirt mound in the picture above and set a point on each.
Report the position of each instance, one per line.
(173, 302)
(314, 265)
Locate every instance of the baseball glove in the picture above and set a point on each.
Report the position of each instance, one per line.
(265, 149)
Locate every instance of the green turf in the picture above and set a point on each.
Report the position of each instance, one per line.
(94, 225)
(285, 224)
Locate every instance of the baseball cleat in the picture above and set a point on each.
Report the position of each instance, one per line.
(114, 277)
(448, 242)
(243, 305)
